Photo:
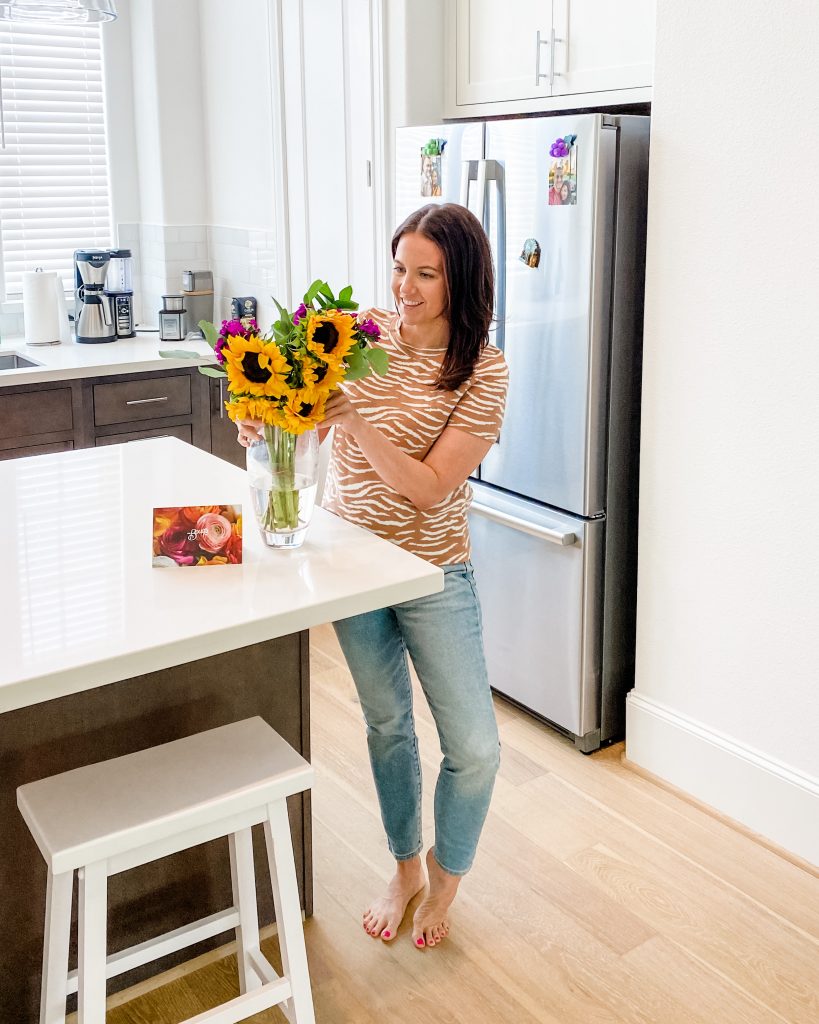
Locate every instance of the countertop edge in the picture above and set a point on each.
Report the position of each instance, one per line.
(62, 683)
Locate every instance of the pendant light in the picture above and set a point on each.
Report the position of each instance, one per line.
(72, 12)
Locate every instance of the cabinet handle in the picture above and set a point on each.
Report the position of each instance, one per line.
(552, 73)
(222, 398)
(538, 73)
(145, 401)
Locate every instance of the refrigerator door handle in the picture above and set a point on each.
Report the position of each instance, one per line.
(563, 537)
(492, 170)
(469, 172)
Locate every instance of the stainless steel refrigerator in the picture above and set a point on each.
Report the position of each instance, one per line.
(554, 517)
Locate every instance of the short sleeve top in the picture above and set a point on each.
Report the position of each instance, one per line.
(407, 408)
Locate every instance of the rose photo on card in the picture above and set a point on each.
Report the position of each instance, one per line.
(197, 535)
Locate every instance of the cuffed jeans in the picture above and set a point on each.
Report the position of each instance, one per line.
(442, 634)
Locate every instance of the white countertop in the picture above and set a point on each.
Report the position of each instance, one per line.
(71, 360)
(81, 604)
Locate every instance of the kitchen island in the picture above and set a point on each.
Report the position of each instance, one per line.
(104, 654)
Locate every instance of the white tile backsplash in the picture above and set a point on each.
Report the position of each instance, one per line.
(243, 262)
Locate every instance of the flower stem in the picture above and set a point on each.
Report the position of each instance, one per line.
(282, 511)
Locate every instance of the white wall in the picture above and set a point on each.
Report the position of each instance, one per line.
(726, 702)
(329, 106)
(237, 113)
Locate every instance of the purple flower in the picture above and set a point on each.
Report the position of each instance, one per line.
(368, 327)
(231, 327)
(220, 344)
(300, 312)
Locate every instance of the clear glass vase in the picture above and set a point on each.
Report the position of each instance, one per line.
(283, 476)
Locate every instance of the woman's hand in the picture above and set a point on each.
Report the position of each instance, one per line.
(249, 431)
(340, 412)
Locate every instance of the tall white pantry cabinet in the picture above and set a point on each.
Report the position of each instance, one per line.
(528, 55)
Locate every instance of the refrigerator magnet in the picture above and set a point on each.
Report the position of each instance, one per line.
(563, 172)
(431, 181)
(530, 254)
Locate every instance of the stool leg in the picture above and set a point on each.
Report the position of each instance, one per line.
(93, 900)
(55, 947)
(288, 911)
(243, 880)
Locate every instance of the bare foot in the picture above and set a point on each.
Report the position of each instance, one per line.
(429, 924)
(384, 915)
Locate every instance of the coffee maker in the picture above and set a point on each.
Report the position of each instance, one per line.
(92, 307)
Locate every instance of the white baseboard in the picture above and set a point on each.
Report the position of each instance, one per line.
(766, 795)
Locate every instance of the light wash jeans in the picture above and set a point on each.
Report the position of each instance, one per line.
(442, 634)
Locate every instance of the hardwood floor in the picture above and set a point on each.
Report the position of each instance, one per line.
(597, 896)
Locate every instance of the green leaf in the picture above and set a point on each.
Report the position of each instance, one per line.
(282, 311)
(179, 353)
(357, 365)
(211, 371)
(312, 292)
(325, 289)
(378, 360)
(345, 294)
(210, 332)
(341, 304)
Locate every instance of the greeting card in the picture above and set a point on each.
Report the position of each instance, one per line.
(197, 535)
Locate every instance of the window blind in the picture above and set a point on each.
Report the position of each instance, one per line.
(54, 195)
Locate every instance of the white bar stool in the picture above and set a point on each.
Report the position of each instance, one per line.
(108, 817)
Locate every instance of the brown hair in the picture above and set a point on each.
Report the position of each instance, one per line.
(469, 279)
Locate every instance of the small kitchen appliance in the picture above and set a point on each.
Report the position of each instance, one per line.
(197, 293)
(120, 291)
(92, 307)
(171, 318)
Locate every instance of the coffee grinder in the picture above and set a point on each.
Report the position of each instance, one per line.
(92, 307)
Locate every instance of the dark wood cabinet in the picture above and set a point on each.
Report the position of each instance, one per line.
(57, 415)
(223, 433)
(83, 413)
(141, 398)
(35, 449)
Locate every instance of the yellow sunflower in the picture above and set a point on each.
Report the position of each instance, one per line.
(330, 335)
(298, 415)
(255, 367)
(327, 378)
(245, 407)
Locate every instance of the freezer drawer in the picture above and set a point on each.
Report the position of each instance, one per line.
(539, 579)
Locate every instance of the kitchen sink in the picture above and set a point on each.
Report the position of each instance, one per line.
(14, 361)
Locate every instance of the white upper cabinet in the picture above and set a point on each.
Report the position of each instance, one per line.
(529, 55)
(497, 54)
(600, 46)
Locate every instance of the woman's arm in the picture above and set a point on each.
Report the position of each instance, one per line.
(445, 467)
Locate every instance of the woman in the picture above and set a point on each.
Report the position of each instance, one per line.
(403, 448)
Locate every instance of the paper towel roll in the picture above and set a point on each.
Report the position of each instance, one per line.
(41, 308)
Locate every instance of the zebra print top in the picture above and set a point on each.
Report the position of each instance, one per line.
(408, 410)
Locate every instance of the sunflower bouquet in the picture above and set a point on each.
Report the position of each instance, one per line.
(285, 377)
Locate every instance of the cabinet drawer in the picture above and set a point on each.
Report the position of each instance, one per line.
(149, 398)
(36, 449)
(183, 432)
(40, 412)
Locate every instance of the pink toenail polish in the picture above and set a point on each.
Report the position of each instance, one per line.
(386, 935)
(419, 942)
